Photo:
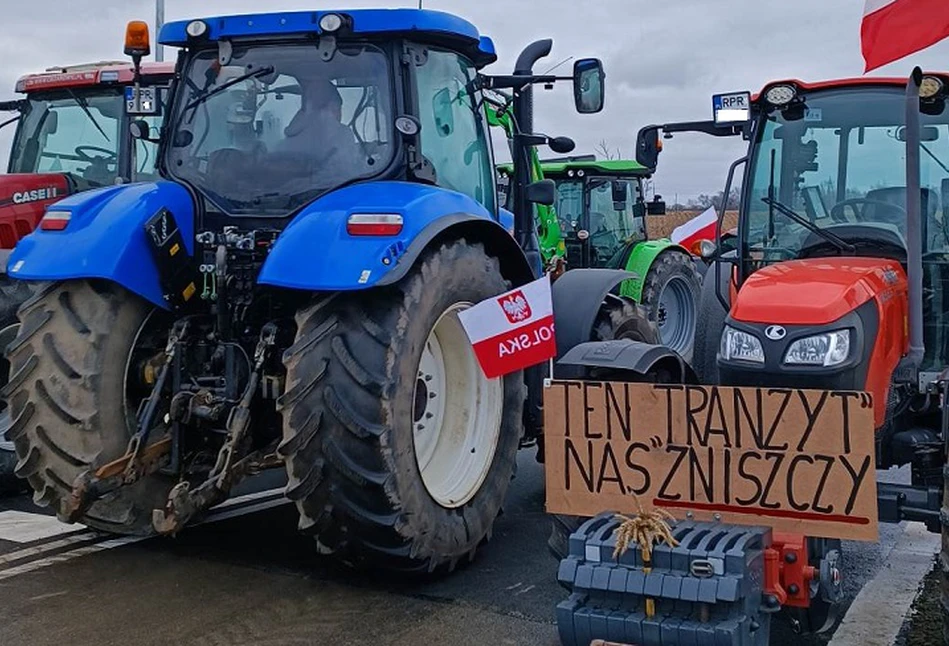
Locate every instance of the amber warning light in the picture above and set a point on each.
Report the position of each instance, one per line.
(136, 39)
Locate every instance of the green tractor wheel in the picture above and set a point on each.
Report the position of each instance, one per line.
(671, 293)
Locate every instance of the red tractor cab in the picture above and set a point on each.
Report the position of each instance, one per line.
(72, 134)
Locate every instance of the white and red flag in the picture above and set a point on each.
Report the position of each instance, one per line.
(512, 331)
(701, 227)
(892, 29)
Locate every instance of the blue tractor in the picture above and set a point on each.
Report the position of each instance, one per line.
(288, 292)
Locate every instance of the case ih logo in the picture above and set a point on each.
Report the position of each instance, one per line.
(515, 307)
(35, 195)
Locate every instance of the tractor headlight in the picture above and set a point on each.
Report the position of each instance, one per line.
(331, 22)
(780, 94)
(930, 87)
(196, 29)
(830, 349)
(740, 346)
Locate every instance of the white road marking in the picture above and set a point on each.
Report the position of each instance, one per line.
(66, 556)
(39, 550)
(26, 527)
(232, 508)
(878, 611)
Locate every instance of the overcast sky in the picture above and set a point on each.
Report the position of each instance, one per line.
(663, 60)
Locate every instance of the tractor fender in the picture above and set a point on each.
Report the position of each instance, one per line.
(317, 253)
(640, 260)
(105, 238)
(577, 296)
(626, 355)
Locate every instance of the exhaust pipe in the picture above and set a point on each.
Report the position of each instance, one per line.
(914, 240)
(524, 116)
(524, 103)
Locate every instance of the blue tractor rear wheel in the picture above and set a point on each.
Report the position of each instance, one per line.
(399, 451)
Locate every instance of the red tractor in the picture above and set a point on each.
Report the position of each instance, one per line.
(839, 276)
(73, 134)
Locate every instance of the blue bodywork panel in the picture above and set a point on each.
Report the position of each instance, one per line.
(105, 238)
(506, 219)
(316, 253)
(423, 24)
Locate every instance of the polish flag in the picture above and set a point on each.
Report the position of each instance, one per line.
(512, 331)
(701, 227)
(892, 29)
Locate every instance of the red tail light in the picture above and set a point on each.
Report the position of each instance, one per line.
(55, 220)
(374, 224)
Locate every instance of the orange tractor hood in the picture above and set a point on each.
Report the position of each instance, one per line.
(815, 291)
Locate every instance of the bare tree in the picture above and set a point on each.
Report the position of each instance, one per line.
(603, 149)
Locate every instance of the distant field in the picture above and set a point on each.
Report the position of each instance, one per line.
(661, 226)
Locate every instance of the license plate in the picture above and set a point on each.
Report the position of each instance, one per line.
(731, 108)
(144, 101)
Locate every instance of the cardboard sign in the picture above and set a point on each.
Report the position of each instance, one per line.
(796, 460)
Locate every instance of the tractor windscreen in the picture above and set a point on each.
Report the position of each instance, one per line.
(277, 125)
(833, 172)
(77, 132)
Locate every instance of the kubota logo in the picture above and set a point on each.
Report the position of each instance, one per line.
(775, 332)
(515, 307)
(35, 195)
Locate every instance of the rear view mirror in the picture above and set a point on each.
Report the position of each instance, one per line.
(11, 106)
(140, 129)
(561, 145)
(542, 192)
(656, 206)
(588, 85)
(648, 147)
(926, 133)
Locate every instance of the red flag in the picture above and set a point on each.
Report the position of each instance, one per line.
(892, 29)
(701, 227)
(512, 331)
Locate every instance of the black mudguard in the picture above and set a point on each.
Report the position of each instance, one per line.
(577, 297)
(627, 356)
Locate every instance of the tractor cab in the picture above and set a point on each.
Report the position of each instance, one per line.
(823, 198)
(72, 135)
(601, 209)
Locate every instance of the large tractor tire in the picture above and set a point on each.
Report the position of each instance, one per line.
(617, 319)
(399, 450)
(70, 367)
(670, 294)
(711, 322)
(13, 293)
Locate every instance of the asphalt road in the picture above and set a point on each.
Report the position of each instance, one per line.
(252, 579)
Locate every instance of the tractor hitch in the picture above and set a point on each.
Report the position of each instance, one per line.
(183, 503)
(89, 486)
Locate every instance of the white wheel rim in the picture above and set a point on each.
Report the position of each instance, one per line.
(457, 412)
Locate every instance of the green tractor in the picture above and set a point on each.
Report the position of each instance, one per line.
(599, 221)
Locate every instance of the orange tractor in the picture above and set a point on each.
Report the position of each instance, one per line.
(838, 280)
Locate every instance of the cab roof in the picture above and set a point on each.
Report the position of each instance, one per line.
(435, 27)
(605, 166)
(860, 81)
(89, 74)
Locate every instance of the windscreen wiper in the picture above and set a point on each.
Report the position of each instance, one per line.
(82, 103)
(234, 81)
(835, 240)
